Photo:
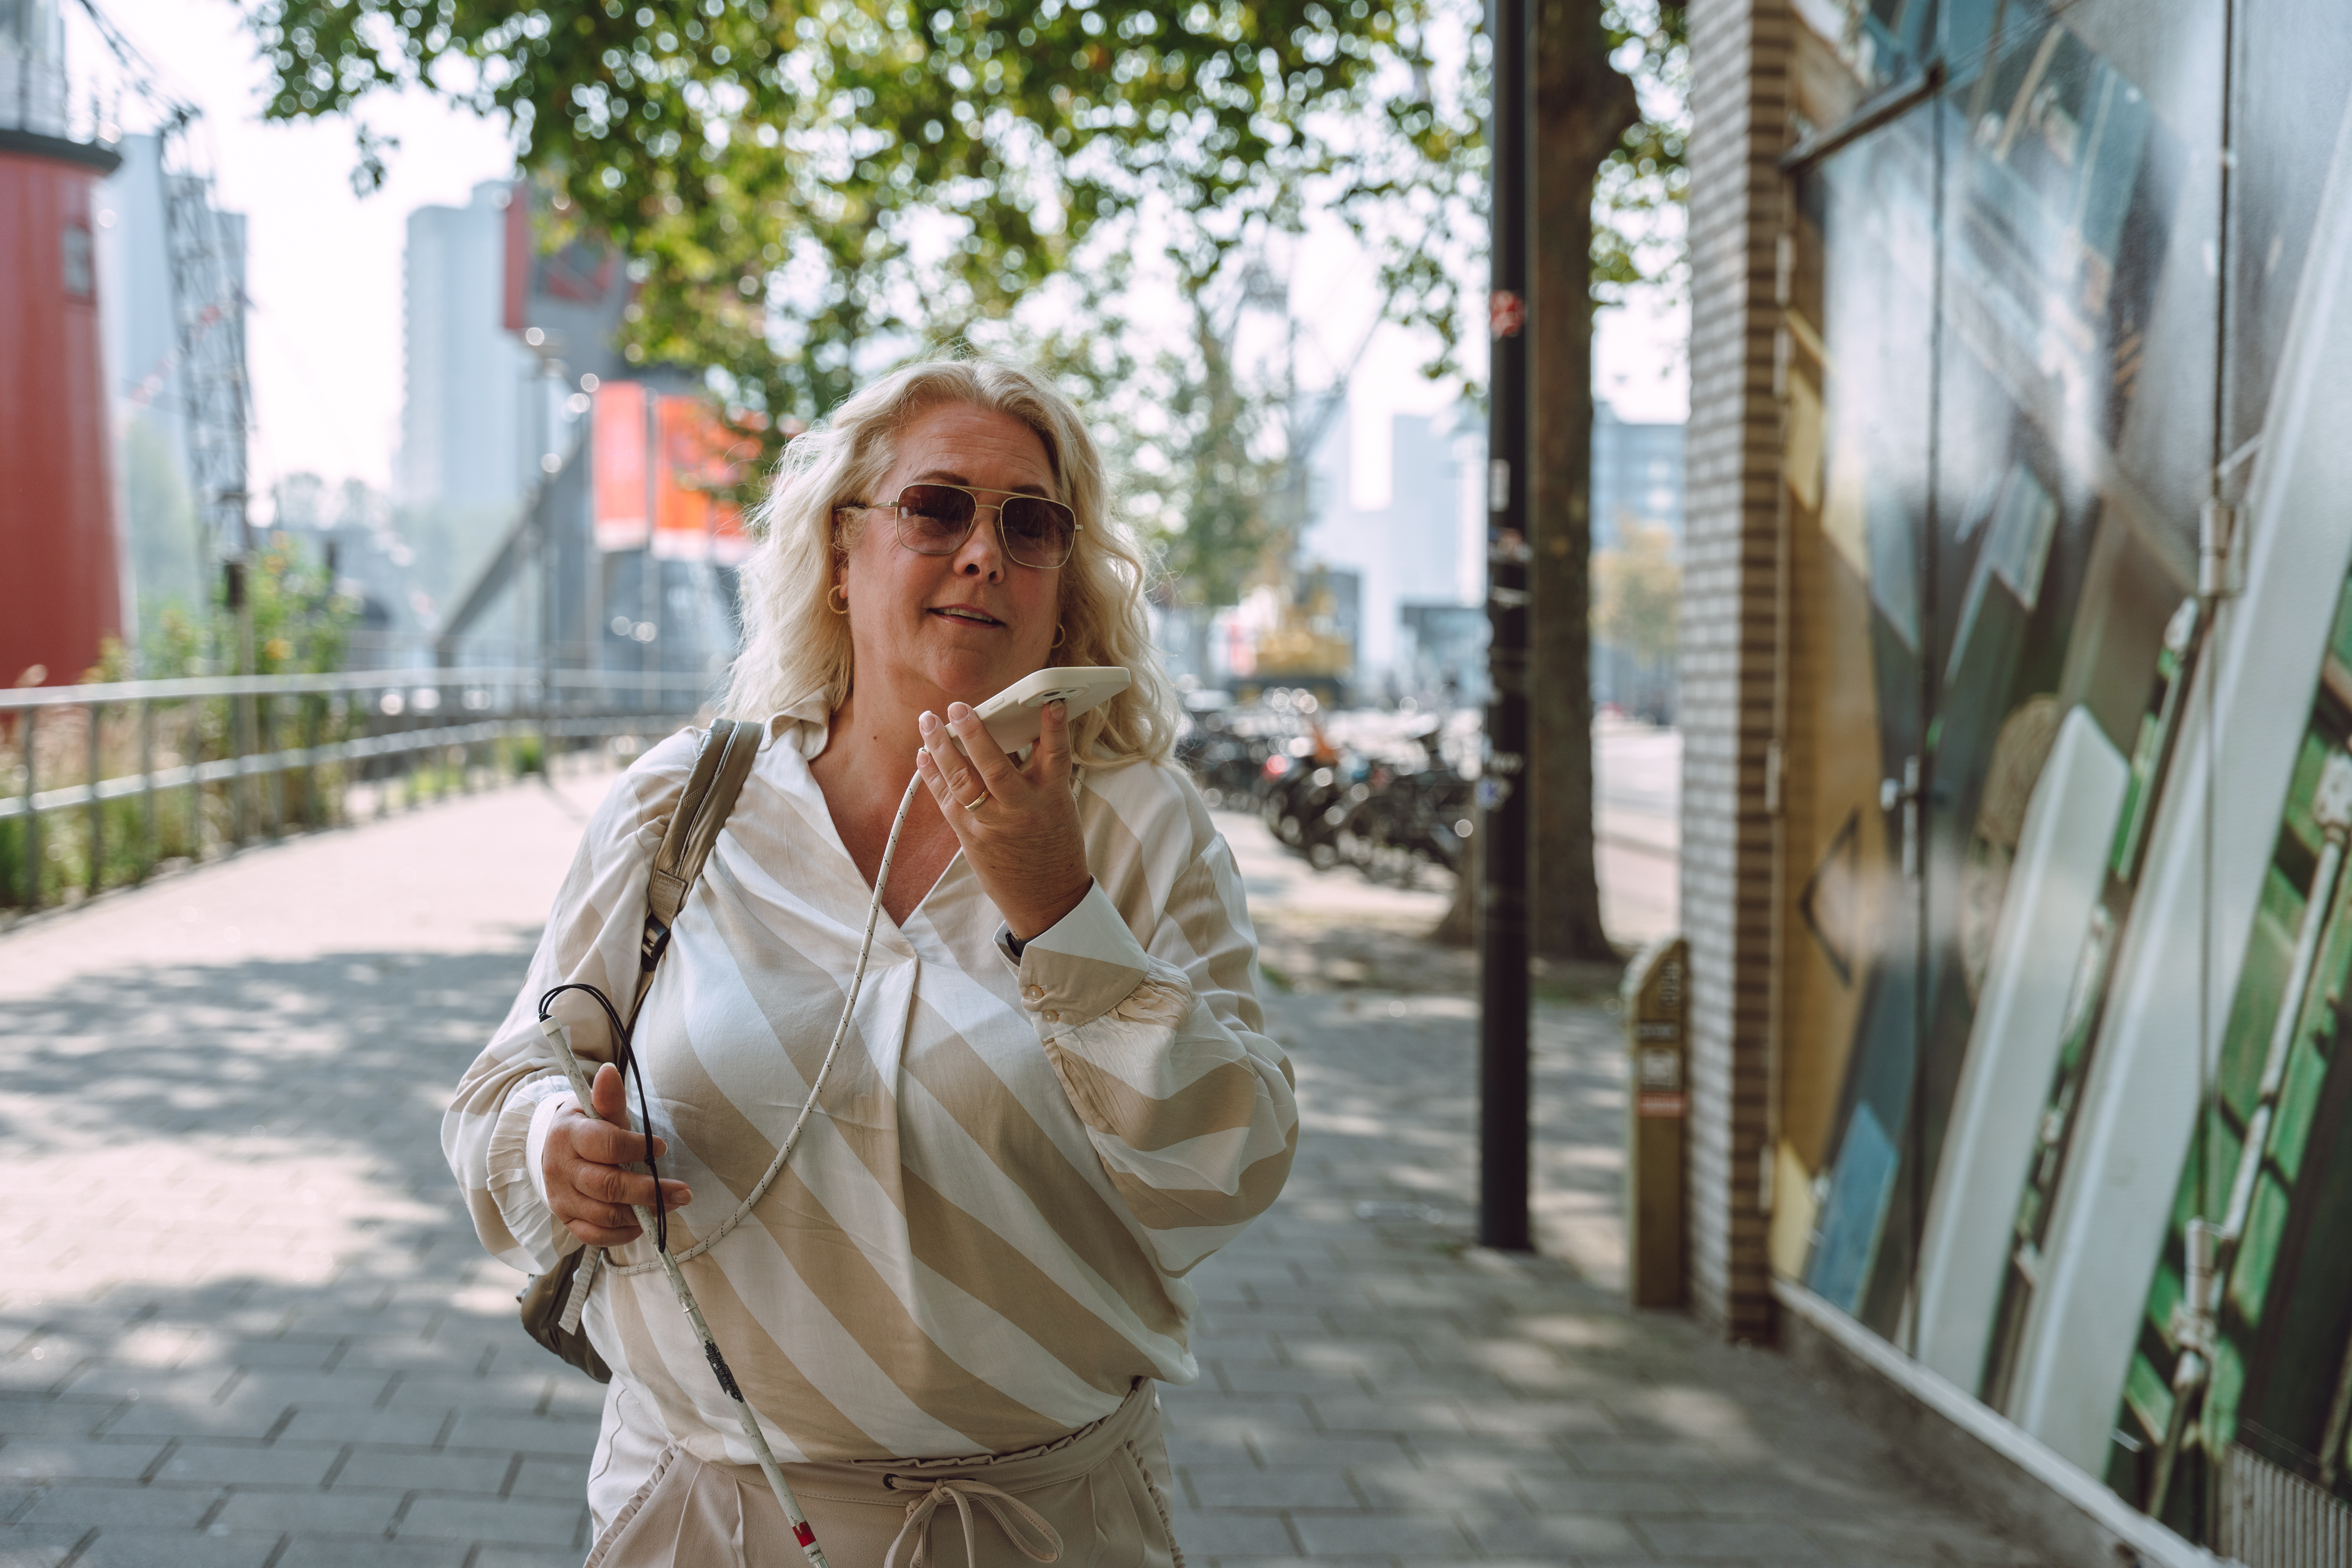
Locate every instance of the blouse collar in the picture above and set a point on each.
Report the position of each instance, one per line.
(804, 723)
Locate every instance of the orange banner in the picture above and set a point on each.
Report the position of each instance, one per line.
(694, 456)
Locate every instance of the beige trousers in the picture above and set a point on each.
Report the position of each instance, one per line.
(1094, 1498)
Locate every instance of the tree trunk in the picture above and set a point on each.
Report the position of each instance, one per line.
(1458, 927)
(1583, 105)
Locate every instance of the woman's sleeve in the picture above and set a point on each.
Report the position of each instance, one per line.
(497, 1123)
(1162, 1050)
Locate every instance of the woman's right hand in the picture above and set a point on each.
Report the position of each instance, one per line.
(588, 1185)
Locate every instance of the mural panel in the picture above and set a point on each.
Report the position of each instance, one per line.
(2069, 729)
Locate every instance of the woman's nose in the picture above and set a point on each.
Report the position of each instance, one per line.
(982, 553)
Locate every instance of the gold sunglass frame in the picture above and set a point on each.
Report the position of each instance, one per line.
(899, 512)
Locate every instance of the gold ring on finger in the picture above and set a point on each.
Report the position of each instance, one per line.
(976, 801)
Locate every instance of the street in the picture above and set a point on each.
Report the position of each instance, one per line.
(245, 1323)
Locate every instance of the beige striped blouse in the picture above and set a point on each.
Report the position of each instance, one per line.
(981, 1238)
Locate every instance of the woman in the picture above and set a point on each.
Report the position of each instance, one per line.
(1056, 1098)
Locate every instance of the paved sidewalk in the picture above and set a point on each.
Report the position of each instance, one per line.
(1377, 1390)
(244, 1321)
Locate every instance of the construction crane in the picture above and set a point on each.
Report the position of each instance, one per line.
(208, 314)
(209, 307)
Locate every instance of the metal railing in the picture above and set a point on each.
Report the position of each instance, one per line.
(103, 782)
(40, 98)
(2272, 1518)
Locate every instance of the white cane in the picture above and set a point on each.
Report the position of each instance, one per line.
(581, 1088)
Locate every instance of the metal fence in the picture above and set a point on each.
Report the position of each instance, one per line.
(104, 782)
(2273, 1517)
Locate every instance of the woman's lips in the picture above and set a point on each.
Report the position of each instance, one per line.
(966, 614)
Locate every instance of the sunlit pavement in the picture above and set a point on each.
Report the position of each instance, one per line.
(242, 1320)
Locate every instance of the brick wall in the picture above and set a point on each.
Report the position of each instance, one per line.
(1739, 60)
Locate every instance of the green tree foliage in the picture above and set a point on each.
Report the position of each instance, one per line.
(1638, 593)
(797, 181)
(1643, 184)
(302, 625)
(807, 188)
(1417, 201)
(1197, 479)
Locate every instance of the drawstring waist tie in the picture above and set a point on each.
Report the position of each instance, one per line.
(1015, 1518)
(1095, 1495)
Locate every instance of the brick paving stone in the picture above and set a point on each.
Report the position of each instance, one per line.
(364, 1424)
(378, 1470)
(1251, 1486)
(279, 1389)
(1560, 1535)
(1488, 1491)
(507, 1522)
(1413, 1535)
(1286, 1446)
(335, 1552)
(1859, 1541)
(1543, 1417)
(554, 1481)
(526, 1557)
(53, 1459)
(120, 1546)
(125, 1506)
(522, 1431)
(53, 1418)
(288, 1355)
(40, 1545)
(1215, 1532)
(1703, 1538)
(1356, 1411)
(236, 1416)
(364, 1514)
(279, 1464)
(1752, 1496)
(1640, 1457)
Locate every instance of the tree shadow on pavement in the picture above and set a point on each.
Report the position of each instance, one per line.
(247, 1318)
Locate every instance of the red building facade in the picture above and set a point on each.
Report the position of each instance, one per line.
(58, 567)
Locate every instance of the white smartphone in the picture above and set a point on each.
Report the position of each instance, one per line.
(1016, 714)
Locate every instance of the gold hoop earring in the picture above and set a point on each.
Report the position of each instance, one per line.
(1060, 636)
(842, 590)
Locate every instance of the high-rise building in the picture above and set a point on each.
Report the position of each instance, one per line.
(463, 441)
(1637, 474)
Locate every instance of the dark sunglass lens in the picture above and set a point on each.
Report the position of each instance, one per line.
(933, 518)
(1037, 532)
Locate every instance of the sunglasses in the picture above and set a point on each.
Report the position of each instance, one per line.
(935, 520)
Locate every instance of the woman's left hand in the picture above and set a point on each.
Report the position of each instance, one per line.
(1019, 826)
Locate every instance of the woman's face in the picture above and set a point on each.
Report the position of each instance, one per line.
(958, 627)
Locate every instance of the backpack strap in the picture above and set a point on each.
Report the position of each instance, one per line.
(719, 769)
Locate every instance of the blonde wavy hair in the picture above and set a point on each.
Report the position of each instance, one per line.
(794, 643)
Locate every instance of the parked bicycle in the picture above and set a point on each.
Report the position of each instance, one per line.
(1378, 791)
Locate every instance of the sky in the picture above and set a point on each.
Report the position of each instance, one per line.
(324, 265)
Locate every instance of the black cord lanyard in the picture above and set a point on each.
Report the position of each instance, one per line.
(625, 1056)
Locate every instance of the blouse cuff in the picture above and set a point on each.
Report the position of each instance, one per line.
(1080, 968)
(542, 1123)
(519, 1142)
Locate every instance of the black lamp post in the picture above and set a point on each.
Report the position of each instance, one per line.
(1502, 911)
